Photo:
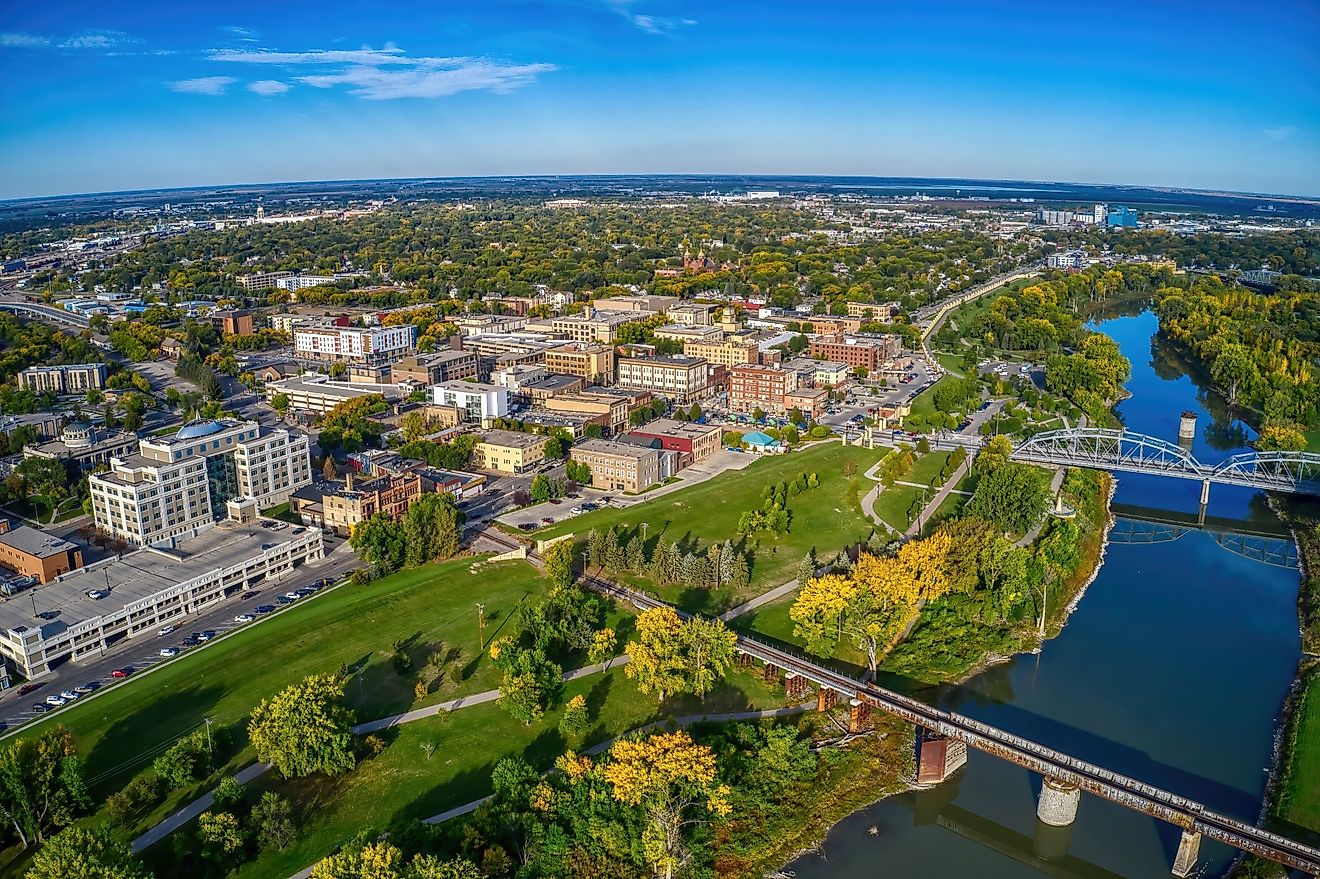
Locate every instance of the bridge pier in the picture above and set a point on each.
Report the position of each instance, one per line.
(826, 698)
(1189, 847)
(938, 757)
(1058, 803)
(860, 716)
(796, 686)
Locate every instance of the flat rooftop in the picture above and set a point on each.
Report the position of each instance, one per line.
(136, 575)
(608, 447)
(670, 427)
(339, 390)
(512, 439)
(36, 543)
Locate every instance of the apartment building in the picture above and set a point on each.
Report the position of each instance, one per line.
(355, 500)
(725, 352)
(873, 311)
(72, 378)
(593, 361)
(618, 466)
(868, 352)
(591, 328)
(431, 369)
(689, 333)
(370, 345)
(754, 387)
(682, 379)
(508, 451)
(637, 306)
(480, 402)
(177, 486)
(695, 441)
(261, 280)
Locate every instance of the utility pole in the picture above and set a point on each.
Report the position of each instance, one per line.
(208, 736)
(481, 626)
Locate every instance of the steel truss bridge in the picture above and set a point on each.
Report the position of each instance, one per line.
(1127, 452)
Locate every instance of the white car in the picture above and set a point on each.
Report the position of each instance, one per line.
(54, 700)
(168, 652)
(165, 630)
(576, 511)
(293, 596)
(68, 695)
(244, 618)
(96, 594)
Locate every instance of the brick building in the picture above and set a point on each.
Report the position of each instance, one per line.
(764, 387)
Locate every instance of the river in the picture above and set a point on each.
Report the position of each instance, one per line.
(1172, 669)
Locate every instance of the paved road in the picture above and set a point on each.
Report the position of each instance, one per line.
(143, 652)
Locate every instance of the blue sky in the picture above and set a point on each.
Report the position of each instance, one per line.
(107, 96)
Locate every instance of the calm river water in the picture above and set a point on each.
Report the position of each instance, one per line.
(1172, 670)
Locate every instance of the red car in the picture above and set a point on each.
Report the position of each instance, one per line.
(121, 672)
(28, 688)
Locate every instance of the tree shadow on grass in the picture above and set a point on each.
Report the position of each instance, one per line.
(148, 729)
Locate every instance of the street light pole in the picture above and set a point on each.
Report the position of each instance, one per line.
(481, 626)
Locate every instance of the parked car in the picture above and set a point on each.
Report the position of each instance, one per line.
(41, 708)
(168, 652)
(205, 636)
(292, 596)
(250, 593)
(527, 526)
(122, 672)
(244, 618)
(264, 608)
(52, 699)
(284, 599)
(96, 594)
(546, 520)
(190, 641)
(89, 687)
(576, 511)
(555, 500)
(28, 688)
(165, 630)
(69, 695)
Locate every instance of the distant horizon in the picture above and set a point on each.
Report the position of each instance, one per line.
(661, 175)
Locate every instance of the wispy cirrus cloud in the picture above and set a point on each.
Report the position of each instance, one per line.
(89, 40)
(389, 73)
(203, 85)
(268, 87)
(242, 34)
(1278, 133)
(652, 24)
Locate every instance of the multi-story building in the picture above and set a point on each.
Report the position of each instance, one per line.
(832, 324)
(354, 501)
(593, 361)
(618, 466)
(32, 553)
(637, 306)
(754, 387)
(84, 446)
(482, 324)
(479, 401)
(811, 402)
(690, 333)
(303, 282)
(233, 322)
(371, 345)
(261, 280)
(726, 352)
(873, 310)
(693, 314)
(867, 352)
(613, 409)
(177, 486)
(682, 379)
(450, 365)
(551, 385)
(518, 376)
(72, 378)
(318, 395)
(697, 441)
(508, 451)
(591, 328)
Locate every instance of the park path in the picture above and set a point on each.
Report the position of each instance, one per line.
(193, 809)
(949, 486)
(1055, 484)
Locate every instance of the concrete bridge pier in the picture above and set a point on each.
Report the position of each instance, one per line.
(938, 757)
(1189, 847)
(1058, 803)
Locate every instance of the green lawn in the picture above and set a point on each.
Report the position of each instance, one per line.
(951, 362)
(928, 468)
(827, 518)
(119, 733)
(401, 783)
(1299, 800)
(282, 512)
(1313, 440)
(924, 403)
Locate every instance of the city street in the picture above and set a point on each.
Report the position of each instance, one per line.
(143, 652)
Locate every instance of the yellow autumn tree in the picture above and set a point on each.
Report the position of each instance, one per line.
(673, 779)
(657, 662)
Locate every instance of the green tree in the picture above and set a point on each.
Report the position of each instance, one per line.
(271, 821)
(280, 403)
(220, 835)
(82, 853)
(380, 542)
(305, 729)
(1231, 368)
(558, 562)
(1013, 496)
(574, 721)
(41, 785)
(531, 683)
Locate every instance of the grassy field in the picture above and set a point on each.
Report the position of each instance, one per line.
(1299, 796)
(827, 518)
(402, 783)
(283, 512)
(950, 361)
(119, 733)
(924, 403)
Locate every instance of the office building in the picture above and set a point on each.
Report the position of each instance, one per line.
(72, 378)
(681, 379)
(636, 306)
(1122, 218)
(754, 387)
(449, 365)
(374, 346)
(882, 311)
(261, 280)
(144, 590)
(693, 314)
(591, 328)
(484, 324)
(29, 552)
(177, 486)
(617, 466)
(507, 451)
(726, 352)
(351, 502)
(811, 402)
(84, 446)
(689, 333)
(318, 395)
(480, 402)
(697, 441)
(593, 361)
(233, 322)
(612, 410)
(867, 352)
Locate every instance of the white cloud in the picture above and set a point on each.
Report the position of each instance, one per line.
(652, 24)
(389, 72)
(85, 40)
(242, 34)
(268, 87)
(203, 85)
(24, 41)
(1278, 133)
